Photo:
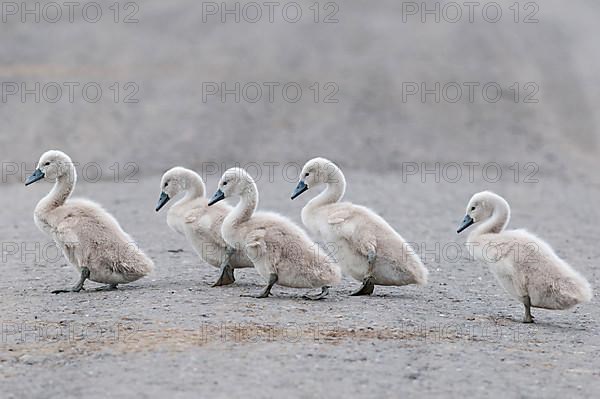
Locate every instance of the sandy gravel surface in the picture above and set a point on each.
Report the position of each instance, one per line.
(173, 334)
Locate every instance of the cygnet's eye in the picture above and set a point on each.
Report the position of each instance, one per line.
(306, 175)
(47, 163)
(473, 208)
(224, 183)
(166, 184)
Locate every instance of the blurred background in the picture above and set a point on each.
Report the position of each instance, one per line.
(356, 63)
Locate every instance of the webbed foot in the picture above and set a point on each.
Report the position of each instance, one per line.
(267, 291)
(227, 276)
(85, 274)
(257, 296)
(74, 289)
(528, 319)
(367, 287)
(323, 294)
(108, 287)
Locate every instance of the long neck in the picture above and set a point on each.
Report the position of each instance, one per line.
(194, 188)
(247, 205)
(63, 187)
(336, 186)
(496, 223)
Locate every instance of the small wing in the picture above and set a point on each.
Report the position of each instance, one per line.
(207, 225)
(193, 216)
(258, 252)
(359, 235)
(255, 243)
(339, 216)
(190, 219)
(66, 231)
(496, 249)
(66, 236)
(365, 241)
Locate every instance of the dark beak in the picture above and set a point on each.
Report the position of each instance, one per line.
(300, 188)
(37, 175)
(164, 198)
(467, 221)
(218, 196)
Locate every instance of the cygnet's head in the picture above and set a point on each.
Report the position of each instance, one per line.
(235, 182)
(481, 207)
(315, 172)
(173, 182)
(52, 165)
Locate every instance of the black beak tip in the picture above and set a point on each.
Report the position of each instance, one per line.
(300, 188)
(467, 221)
(217, 196)
(164, 198)
(36, 176)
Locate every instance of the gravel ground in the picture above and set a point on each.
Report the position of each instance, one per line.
(171, 333)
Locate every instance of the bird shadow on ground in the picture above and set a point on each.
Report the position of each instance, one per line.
(95, 290)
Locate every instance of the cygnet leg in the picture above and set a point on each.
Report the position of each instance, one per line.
(528, 317)
(368, 285)
(227, 272)
(85, 274)
(323, 294)
(267, 291)
(108, 287)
